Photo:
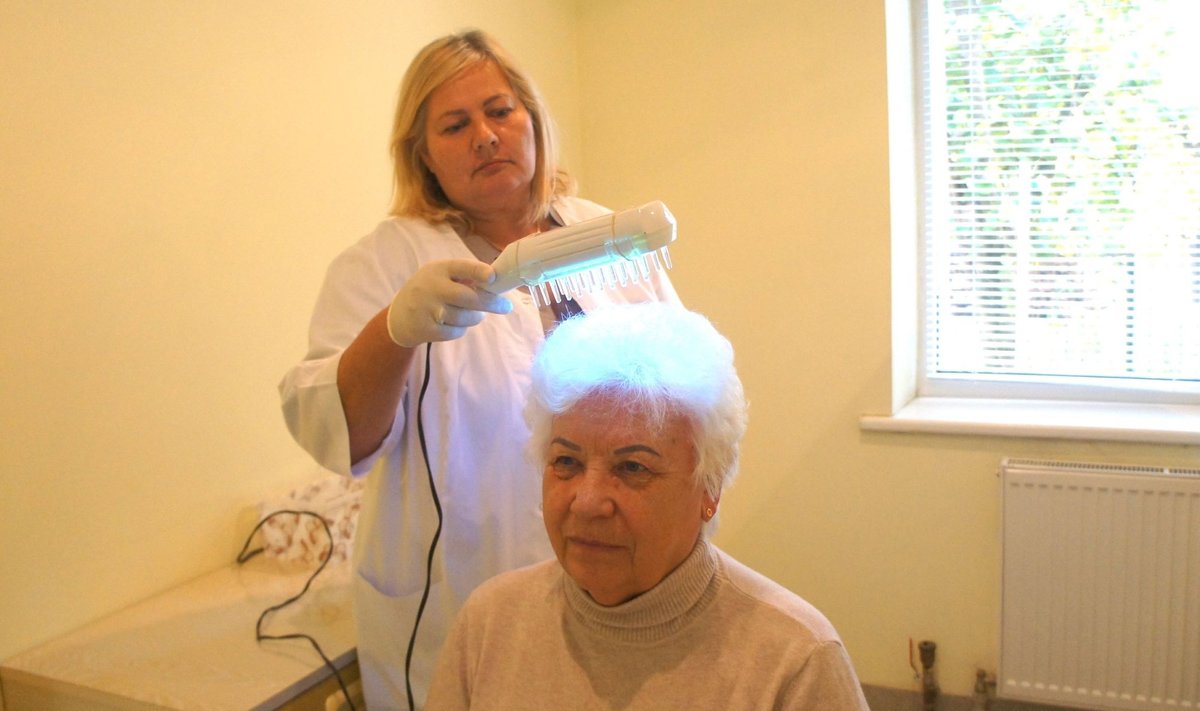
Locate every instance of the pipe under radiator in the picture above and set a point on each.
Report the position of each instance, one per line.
(1100, 585)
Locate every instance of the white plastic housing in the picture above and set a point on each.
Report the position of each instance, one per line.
(591, 254)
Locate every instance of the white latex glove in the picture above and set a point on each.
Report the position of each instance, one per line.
(439, 302)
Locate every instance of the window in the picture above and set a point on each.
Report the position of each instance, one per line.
(1058, 229)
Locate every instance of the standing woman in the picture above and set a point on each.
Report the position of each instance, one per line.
(476, 168)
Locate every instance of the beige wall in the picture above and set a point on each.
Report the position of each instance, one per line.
(177, 175)
(763, 125)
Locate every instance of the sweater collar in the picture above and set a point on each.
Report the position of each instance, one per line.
(660, 611)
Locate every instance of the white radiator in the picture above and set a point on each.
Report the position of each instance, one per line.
(1100, 603)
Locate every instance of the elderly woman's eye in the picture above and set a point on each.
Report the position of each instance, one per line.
(632, 467)
(564, 464)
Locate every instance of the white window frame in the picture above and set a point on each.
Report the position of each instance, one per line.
(1000, 409)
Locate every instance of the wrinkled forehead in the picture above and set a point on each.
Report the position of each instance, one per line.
(617, 411)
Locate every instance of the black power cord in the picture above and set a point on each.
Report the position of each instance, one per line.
(437, 504)
(259, 636)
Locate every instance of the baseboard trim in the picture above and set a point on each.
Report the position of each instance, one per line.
(881, 698)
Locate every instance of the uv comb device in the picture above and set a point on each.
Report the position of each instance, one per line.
(600, 253)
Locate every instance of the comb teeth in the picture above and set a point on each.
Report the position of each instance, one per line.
(607, 276)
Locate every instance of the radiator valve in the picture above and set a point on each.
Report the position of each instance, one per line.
(985, 688)
(929, 685)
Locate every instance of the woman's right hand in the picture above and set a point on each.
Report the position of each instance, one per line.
(440, 302)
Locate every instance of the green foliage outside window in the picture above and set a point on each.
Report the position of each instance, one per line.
(1064, 207)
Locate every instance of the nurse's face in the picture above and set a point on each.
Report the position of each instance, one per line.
(479, 141)
(620, 498)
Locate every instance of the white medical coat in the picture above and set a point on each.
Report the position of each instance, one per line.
(490, 494)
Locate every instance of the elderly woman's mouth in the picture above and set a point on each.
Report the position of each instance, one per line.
(592, 544)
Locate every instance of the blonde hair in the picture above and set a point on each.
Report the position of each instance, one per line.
(416, 192)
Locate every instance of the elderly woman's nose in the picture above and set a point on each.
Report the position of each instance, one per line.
(593, 495)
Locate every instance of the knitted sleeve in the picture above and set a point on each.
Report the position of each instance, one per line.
(826, 681)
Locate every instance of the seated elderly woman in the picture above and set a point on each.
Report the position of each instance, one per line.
(637, 414)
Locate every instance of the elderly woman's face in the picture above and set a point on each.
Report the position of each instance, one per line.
(620, 499)
(479, 141)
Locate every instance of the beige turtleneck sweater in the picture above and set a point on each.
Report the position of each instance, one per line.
(712, 635)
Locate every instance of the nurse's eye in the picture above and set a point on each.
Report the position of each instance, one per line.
(501, 113)
(454, 128)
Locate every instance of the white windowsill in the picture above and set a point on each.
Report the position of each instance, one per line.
(1106, 421)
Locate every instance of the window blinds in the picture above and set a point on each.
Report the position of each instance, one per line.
(1062, 191)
